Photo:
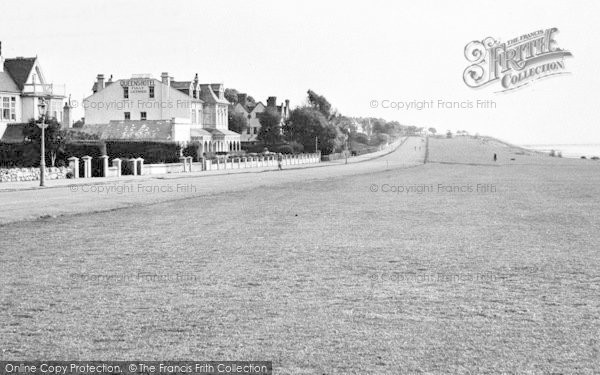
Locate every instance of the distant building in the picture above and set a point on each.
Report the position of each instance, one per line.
(252, 113)
(173, 111)
(22, 84)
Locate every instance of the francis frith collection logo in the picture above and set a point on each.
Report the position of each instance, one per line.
(516, 63)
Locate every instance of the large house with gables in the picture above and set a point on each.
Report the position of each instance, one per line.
(252, 113)
(145, 109)
(22, 85)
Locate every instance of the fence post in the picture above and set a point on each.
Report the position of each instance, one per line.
(104, 165)
(87, 166)
(117, 163)
(74, 165)
(140, 165)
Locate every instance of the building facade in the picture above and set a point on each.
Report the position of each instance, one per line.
(193, 111)
(252, 113)
(22, 85)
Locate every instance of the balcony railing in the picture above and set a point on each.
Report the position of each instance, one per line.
(39, 89)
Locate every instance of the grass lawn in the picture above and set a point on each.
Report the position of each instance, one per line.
(328, 276)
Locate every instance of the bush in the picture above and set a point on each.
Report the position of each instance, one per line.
(297, 147)
(285, 149)
(361, 138)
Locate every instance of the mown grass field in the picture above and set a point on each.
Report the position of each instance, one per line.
(335, 276)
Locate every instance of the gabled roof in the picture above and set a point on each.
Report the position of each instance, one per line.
(221, 133)
(256, 106)
(13, 133)
(179, 85)
(208, 95)
(19, 69)
(133, 130)
(199, 132)
(7, 84)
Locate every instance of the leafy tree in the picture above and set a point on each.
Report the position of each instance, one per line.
(319, 103)
(306, 124)
(237, 122)
(361, 138)
(55, 138)
(432, 131)
(79, 123)
(231, 95)
(448, 134)
(270, 127)
(250, 100)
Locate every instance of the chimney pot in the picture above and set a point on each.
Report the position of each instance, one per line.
(165, 78)
(100, 84)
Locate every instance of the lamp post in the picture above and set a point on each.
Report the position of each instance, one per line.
(42, 125)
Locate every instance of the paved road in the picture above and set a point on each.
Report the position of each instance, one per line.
(77, 199)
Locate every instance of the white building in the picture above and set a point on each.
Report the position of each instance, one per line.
(22, 84)
(139, 105)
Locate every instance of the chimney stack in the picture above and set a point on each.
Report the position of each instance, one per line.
(66, 120)
(165, 78)
(243, 99)
(272, 101)
(100, 83)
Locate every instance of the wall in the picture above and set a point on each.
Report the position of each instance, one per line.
(31, 174)
(109, 103)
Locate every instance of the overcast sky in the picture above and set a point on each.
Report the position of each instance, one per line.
(351, 53)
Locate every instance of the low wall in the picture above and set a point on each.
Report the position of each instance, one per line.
(32, 174)
(150, 169)
(378, 151)
(233, 163)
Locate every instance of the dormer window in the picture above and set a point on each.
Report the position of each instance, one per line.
(151, 91)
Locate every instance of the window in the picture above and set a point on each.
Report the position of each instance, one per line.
(151, 90)
(127, 115)
(255, 130)
(8, 108)
(248, 131)
(13, 112)
(126, 92)
(142, 115)
(194, 116)
(249, 117)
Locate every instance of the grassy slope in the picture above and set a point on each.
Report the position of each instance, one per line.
(300, 274)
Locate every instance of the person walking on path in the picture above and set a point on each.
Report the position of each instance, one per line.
(495, 157)
(279, 160)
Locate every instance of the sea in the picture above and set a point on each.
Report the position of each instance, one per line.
(568, 150)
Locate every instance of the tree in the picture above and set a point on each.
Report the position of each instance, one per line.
(251, 102)
(319, 103)
(237, 122)
(361, 138)
(448, 134)
(231, 95)
(432, 131)
(270, 127)
(306, 124)
(55, 138)
(79, 123)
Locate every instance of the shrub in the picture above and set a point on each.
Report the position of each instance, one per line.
(297, 147)
(361, 138)
(285, 149)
